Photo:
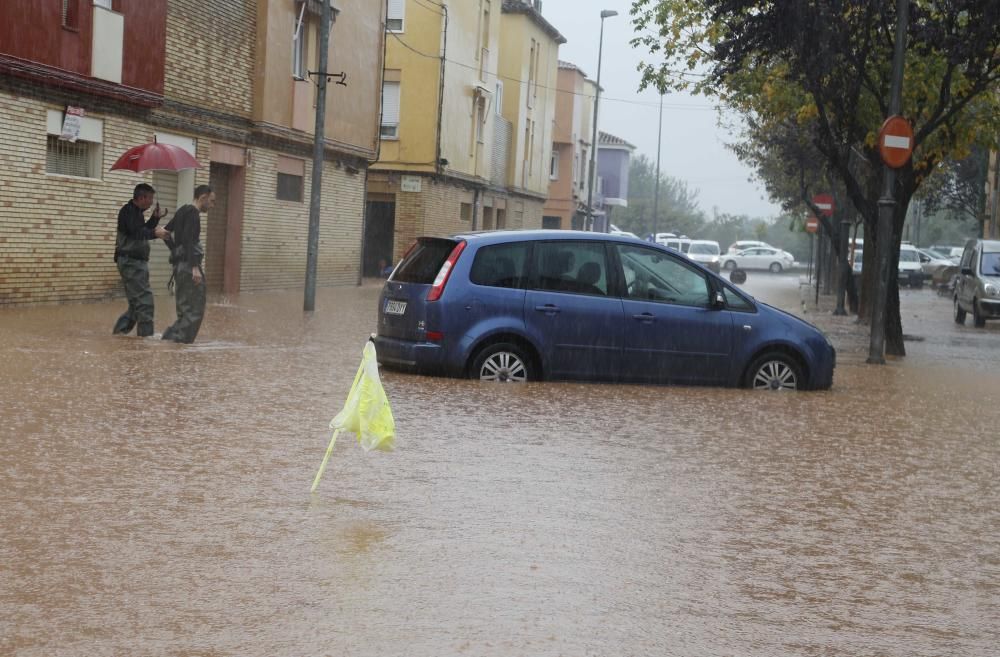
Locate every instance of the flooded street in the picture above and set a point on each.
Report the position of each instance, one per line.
(154, 499)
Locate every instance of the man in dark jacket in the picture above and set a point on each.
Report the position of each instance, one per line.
(132, 258)
(186, 254)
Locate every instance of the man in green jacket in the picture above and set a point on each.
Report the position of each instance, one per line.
(132, 258)
(186, 254)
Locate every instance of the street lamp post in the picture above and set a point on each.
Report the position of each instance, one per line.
(607, 13)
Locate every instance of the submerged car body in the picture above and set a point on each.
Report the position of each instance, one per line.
(529, 305)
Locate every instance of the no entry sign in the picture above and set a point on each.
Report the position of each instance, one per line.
(812, 224)
(825, 204)
(895, 141)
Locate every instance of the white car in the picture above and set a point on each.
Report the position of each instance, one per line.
(910, 267)
(931, 263)
(706, 253)
(774, 260)
(743, 245)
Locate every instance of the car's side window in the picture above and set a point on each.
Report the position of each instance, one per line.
(966, 258)
(652, 275)
(500, 265)
(735, 301)
(575, 267)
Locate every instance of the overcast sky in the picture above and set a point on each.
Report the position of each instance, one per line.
(693, 145)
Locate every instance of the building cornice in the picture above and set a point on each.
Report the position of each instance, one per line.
(57, 77)
(522, 7)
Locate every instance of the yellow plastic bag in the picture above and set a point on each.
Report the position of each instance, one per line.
(366, 412)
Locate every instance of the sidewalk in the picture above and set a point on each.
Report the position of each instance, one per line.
(850, 338)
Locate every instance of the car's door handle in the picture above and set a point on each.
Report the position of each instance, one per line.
(548, 309)
(646, 318)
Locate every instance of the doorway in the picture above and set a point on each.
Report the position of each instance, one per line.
(380, 231)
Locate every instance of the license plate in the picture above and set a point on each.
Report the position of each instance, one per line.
(395, 307)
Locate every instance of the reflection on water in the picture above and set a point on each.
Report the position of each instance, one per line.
(154, 499)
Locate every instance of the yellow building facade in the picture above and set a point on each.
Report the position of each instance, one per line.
(450, 144)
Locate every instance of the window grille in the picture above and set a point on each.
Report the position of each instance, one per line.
(63, 158)
(290, 187)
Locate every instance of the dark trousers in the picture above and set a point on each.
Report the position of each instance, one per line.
(190, 306)
(135, 276)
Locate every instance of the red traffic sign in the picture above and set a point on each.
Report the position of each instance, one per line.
(825, 204)
(812, 224)
(895, 141)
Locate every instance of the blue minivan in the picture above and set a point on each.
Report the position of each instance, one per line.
(567, 305)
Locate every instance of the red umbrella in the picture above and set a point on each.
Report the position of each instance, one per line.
(156, 156)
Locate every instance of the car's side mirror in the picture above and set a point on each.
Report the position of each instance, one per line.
(718, 300)
(966, 271)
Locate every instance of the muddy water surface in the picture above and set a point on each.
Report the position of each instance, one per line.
(154, 500)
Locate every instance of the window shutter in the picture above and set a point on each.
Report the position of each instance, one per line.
(396, 9)
(390, 103)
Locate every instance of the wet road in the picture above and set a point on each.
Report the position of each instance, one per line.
(154, 499)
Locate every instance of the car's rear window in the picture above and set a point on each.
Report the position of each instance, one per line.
(500, 265)
(424, 262)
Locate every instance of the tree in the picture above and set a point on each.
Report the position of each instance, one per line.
(958, 186)
(678, 206)
(826, 64)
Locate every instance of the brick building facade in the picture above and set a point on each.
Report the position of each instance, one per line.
(59, 201)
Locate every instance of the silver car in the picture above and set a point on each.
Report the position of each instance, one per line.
(978, 288)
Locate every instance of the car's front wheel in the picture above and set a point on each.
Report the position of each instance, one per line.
(503, 363)
(959, 314)
(977, 317)
(774, 371)
(775, 267)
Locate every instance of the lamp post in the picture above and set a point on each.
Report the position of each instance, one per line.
(607, 13)
(656, 194)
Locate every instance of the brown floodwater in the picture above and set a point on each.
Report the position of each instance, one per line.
(154, 499)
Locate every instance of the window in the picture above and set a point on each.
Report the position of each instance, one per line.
(651, 275)
(465, 212)
(498, 99)
(71, 14)
(103, 3)
(390, 110)
(583, 168)
(81, 158)
(531, 73)
(502, 265)
(394, 18)
(290, 187)
(551, 223)
(299, 49)
(424, 261)
(480, 120)
(574, 267)
(735, 302)
(554, 164)
(990, 265)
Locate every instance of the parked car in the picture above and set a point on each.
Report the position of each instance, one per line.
(911, 271)
(532, 305)
(743, 245)
(977, 289)
(759, 257)
(931, 263)
(706, 253)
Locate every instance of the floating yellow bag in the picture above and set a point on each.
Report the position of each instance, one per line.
(366, 412)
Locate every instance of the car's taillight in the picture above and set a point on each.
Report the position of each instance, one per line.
(442, 278)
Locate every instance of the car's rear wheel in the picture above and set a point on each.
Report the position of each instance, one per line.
(775, 371)
(977, 318)
(775, 268)
(504, 363)
(730, 265)
(959, 314)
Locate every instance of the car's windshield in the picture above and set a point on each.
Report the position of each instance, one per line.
(704, 249)
(991, 264)
(907, 255)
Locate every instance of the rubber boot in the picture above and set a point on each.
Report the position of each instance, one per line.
(124, 325)
(168, 334)
(145, 329)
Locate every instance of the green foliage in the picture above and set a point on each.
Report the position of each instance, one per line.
(678, 206)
